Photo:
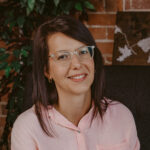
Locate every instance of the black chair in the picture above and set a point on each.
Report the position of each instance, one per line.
(128, 84)
(131, 86)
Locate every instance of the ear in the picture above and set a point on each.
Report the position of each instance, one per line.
(47, 74)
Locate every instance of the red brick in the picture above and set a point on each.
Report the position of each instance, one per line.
(1, 131)
(3, 110)
(2, 44)
(2, 122)
(3, 147)
(110, 33)
(1, 73)
(107, 59)
(105, 48)
(141, 4)
(127, 4)
(4, 98)
(98, 33)
(102, 19)
(98, 4)
(1, 1)
(111, 5)
(119, 5)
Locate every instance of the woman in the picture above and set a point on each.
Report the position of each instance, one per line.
(70, 111)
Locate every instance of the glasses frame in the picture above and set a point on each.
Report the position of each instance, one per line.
(75, 52)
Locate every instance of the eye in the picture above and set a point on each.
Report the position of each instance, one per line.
(90, 50)
(63, 56)
(83, 51)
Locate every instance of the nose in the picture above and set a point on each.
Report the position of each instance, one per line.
(75, 62)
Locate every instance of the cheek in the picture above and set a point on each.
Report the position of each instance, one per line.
(91, 66)
(57, 72)
(92, 70)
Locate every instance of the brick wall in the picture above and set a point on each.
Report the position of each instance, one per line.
(3, 103)
(101, 24)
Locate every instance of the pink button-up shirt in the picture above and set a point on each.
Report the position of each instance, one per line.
(116, 131)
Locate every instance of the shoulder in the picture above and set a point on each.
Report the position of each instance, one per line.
(120, 119)
(118, 113)
(117, 108)
(27, 115)
(24, 131)
(25, 120)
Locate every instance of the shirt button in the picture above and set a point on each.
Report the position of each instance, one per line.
(78, 131)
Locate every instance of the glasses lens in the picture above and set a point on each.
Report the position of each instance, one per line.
(62, 56)
(86, 52)
(83, 52)
(91, 50)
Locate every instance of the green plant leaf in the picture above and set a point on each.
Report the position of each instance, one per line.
(54, 11)
(40, 8)
(31, 4)
(7, 71)
(88, 5)
(16, 66)
(43, 1)
(19, 15)
(4, 56)
(9, 17)
(23, 3)
(2, 50)
(56, 2)
(8, 20)
(11, 25)
(20, 21)
(16, 53)
(78, 6)
(28, 11)
(66, 7)
(3, 65)
(5, 36)
(69, 5)
(24, 53)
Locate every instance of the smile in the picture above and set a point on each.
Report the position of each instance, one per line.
(77, 78)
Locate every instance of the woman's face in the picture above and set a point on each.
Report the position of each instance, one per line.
(74, 77)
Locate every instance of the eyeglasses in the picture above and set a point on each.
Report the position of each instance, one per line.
(64, 56)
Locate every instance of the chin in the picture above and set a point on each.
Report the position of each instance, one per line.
(80, 90)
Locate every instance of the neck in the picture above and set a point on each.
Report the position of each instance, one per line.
(74, 107)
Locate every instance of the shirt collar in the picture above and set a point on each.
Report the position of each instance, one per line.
(61, 120)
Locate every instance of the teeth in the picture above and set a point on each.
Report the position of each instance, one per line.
(78, 77)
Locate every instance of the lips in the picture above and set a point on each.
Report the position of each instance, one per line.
(78, 77)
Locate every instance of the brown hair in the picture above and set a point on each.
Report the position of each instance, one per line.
(45, 94)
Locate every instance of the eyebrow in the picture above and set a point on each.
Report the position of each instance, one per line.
(68, 49)
(61, 50)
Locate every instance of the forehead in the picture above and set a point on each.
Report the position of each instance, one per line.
(59, 41)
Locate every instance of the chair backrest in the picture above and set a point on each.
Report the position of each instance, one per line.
(128, 84)
(131, 86)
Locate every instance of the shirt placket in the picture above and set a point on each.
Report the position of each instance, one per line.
(80, 140)
(80, 136)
